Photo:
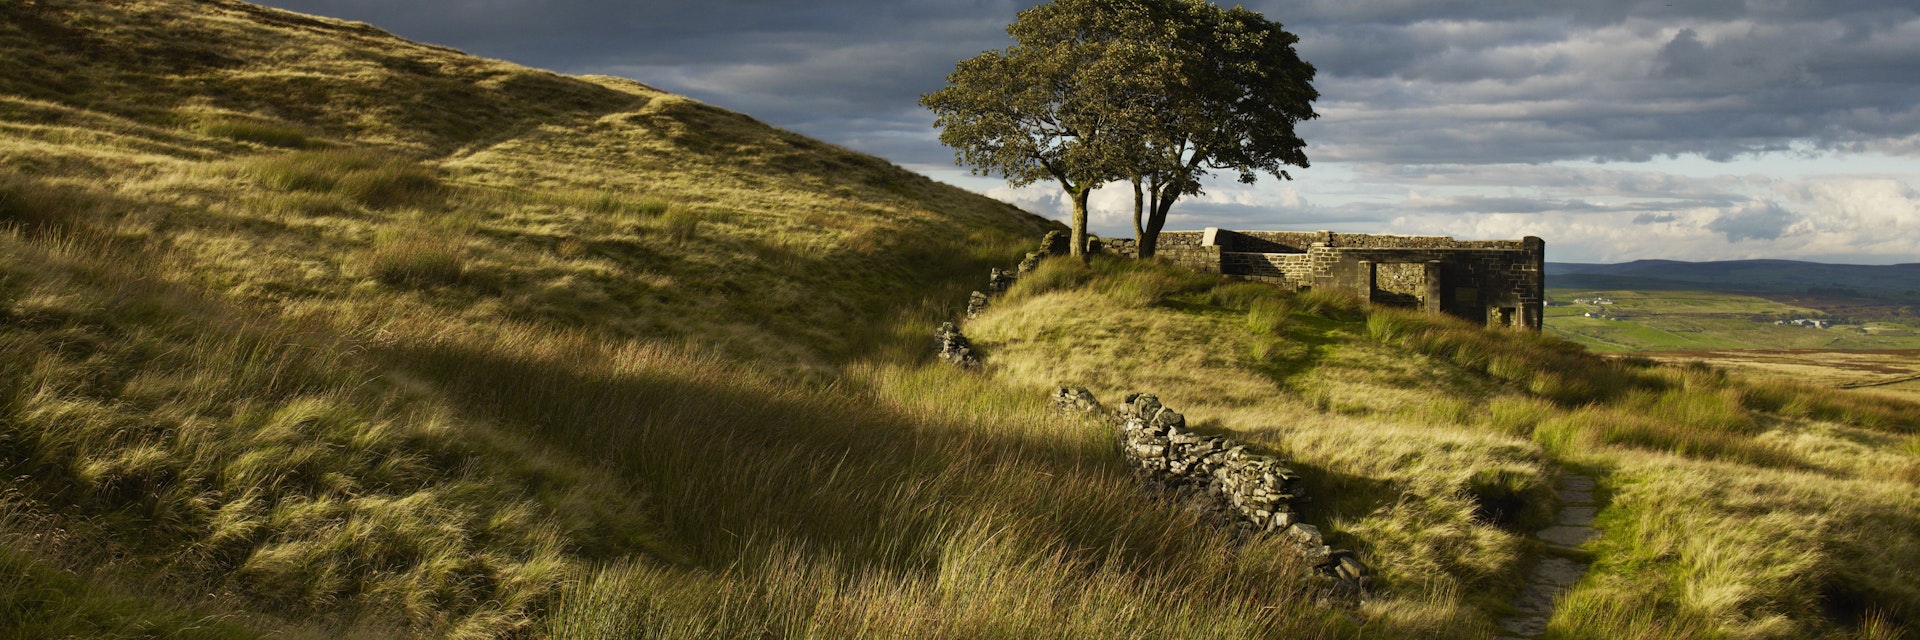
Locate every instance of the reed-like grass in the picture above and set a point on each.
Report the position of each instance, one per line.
(44, 602)
(263, 133)
(466, 365)
(372, 178)
(1421, 438)
(415, 258)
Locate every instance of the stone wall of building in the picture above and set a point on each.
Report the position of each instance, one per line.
(1499, 283)
(1496, 282)
(1268, 266)
(1400, 284)
(1498, 287)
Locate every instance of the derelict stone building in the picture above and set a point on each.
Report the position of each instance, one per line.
(1499, 282)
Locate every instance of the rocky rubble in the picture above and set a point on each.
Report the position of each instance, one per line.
(1255, 492)
(955, 348)
(976, 305)
(999, 281)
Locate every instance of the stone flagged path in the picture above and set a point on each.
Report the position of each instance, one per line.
(1554, 574)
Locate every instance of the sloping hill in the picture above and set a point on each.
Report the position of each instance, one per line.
(307, 331)
(211, 128)
(1730, 508)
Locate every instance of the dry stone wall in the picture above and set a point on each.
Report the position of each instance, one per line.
(950, 343)
(1253, 491)
(955, 348)
(1256, 492)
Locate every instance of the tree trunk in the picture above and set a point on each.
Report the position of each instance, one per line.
(1156, 220)
(1079, 237)
(1139, 235)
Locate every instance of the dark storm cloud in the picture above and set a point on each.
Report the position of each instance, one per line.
(1520, 82)
(1583, 181)
(1402, 81)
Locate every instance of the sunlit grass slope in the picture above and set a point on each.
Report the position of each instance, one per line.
(290, 159)
(1733, 508)
(307, 331)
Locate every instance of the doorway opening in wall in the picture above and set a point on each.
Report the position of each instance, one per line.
(1399, 284)
(1503, 317)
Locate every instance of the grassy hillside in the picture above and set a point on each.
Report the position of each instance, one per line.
(307, 331)
(1732, 508)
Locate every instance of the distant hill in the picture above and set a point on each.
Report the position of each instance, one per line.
(1745, 276)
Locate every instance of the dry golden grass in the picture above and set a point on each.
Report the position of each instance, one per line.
(323, 333)
(1734, 507)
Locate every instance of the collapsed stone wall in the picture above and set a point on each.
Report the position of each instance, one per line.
(1253, 491)
(950, 343)
(954, 347)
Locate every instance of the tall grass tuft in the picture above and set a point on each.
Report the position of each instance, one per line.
(1238, 295)
(1691, 425)
(1331, 304)
(681, 223)
(1797, 399)
(1053, 274)
(1545, 366)
(271, 135)
(372, 178)
(1147, 284)
(410, 258)
(1268, 316)
(651, 207)
(33, 203)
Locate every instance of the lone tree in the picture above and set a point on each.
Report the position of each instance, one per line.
(1156, 92)
(1239, 91)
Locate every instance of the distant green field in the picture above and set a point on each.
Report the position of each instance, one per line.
(1690, 320)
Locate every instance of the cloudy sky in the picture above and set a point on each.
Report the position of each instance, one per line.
(1617, 130)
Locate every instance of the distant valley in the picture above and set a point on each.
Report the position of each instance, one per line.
(1829, 324)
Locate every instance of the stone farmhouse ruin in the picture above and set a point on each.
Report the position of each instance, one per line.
(1499, 282)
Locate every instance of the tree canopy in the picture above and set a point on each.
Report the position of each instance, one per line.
(1156, 92)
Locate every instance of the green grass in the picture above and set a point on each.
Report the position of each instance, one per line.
(415, 259)
(492, 352)
(43, 602)
(1702, 320)
(262, 133)
(1412, 431)
(368, 177)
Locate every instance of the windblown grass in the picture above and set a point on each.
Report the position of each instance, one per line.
(499, 353)
(263, 133)
(370, 178)
(1425, 442)
(415, 258)
(43, 602)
